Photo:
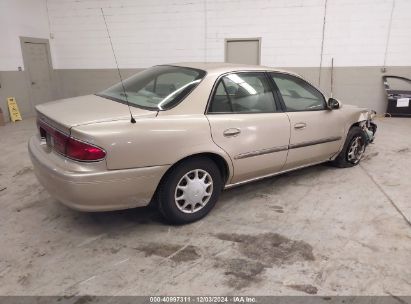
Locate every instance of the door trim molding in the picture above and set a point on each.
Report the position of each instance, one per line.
(287, 147)
(261, 152)
(314, 142)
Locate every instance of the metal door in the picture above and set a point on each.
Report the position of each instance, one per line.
(38, 68)
(316, 132)
(246, 51)
(246, 123)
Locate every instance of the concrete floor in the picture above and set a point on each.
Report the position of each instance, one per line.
(318, 230)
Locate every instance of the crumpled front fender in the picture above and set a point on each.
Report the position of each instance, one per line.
(367, 124)
(366, 115)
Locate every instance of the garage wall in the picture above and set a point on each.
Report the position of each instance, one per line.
(144, 33)
(300, 35)
(18, 18)
(150, 32)
(76, 82)
(361, 36)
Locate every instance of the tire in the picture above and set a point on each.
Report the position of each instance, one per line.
(203, 179)
(348, 156)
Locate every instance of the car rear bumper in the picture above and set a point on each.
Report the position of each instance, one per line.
(89, 187)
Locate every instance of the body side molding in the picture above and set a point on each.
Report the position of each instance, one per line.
(283, 148)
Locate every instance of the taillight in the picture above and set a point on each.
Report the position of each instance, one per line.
(80, 150)
(69, 146)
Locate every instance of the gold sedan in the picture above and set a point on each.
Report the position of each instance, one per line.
(176, 135)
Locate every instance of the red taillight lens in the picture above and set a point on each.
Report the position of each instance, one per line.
(82, 151)
(69, 146)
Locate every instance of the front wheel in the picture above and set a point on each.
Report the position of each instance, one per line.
(190, 190)
(353, 149)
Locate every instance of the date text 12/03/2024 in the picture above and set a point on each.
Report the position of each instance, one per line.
(203, 299)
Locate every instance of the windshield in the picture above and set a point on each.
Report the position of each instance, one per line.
(157, 88)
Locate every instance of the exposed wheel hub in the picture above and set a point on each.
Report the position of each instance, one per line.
(356, 149)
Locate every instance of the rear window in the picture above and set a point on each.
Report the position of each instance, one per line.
(157, 88)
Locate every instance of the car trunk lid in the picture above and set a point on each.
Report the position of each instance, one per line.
(66, 113)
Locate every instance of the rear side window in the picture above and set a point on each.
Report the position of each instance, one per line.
(243, 93)
(157, 88)
(297, 94)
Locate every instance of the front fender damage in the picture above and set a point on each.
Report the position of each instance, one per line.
(366, 123)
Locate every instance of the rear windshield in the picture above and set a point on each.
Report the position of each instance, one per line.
(157, 88)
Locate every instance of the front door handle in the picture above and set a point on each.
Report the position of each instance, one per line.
(300, 125)
(231, 132)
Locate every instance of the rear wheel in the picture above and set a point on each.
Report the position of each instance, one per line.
(353, 149)
(190, 190)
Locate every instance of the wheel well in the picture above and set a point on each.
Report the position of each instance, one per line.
(217, 159)
(220, 162)
(356, 124)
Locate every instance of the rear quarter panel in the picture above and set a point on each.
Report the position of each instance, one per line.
(163, 140)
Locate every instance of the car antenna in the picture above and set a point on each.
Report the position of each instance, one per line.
(132, 120)
(332, 77)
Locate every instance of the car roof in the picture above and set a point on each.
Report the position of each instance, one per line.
(225, 67)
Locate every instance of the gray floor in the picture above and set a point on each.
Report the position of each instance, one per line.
(318, 230)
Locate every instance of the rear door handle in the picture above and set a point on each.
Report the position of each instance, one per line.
(300, 125)
(231, 132)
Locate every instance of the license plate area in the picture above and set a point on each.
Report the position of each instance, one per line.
(46, 135)
(49, 140)
(46, 139)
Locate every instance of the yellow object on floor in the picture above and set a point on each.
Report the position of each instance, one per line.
(2, 122)
(13, 109)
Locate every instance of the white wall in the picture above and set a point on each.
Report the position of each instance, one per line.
(160, 31)
(357, 32)
(149, 32)
(144, 33)
(20, 18)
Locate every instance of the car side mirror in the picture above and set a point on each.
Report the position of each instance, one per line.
(333, 104)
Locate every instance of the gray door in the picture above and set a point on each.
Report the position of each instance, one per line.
(245, 51)
(38, 67)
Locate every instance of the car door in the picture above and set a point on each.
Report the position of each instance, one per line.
(247, 123)
(316, 132)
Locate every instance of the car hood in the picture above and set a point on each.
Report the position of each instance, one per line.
(88, 109)
(363, 112)
(353, 107)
